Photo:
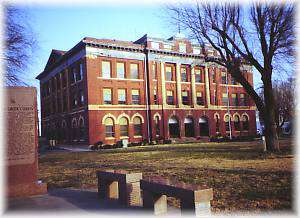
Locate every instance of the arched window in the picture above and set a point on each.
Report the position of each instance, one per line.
(109, 127)
(174, 130)
(227, 120)
(189, 127)
(217, 117)
(203, 126)
(245, 122)
(236, 120)
(123, 126)
(137, 124)
(81, 127)
(74, 128)
(157, 128)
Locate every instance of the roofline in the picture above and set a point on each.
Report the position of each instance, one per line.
(79, 45)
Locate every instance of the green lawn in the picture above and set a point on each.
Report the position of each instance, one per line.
(242, 177)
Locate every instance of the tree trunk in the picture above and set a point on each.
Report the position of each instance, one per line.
(269, 117)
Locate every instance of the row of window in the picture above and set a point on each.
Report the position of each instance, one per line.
(108, 93)
(59, 104)
(106, 70)
(124, 127)
(54, 84)
(171, 47)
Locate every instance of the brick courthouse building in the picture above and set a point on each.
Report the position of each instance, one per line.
(109, 90)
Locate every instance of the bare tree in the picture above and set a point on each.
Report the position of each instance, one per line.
(285, 104)
(19, 45)
(259, 35)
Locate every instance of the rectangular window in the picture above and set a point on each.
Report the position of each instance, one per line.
(154, 76)
(170, 97)
(223, 77)
(107, 96)
(169, 74)
(234, 99)
(120, 70)
(213, 76)
(168, 47)
(215, 97)
(243, 99)
(200, 100)
(224, 99)
(134, 73)
(75, 101)
(198, 76)
(155, 96)
(81, 102)
(183, 75)
(74, 75)
(64, 79)
(155, 45)
(182, 47)
(106, 72)
(121, 96)
(135, 95)
(79, 74)
(80, 71)
(185, 97)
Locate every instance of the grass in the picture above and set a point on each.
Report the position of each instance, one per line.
(243, 178)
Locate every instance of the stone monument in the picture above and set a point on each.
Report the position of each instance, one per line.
(22, 143)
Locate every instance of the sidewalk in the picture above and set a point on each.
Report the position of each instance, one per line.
(75, 148)
(79, 201)
(67, 200)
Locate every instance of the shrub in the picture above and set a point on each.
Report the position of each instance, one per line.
(144, 142)
(107, 146)
(135, 144)
(119, 144)
(167, 141)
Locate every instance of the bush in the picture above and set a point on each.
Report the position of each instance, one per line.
(135, 144)
(153, 143)
(167, 141)
(107, 146)
(119, 144)
(144, 142)
(96, 146)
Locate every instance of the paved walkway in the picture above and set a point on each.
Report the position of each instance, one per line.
(75, 148)
(73, 200)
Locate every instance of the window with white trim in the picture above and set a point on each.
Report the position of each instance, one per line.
(135, 96)
(137, 126)
(134, 73)
(107, 96)
(121, 96)
(106, 70)
(120, 70)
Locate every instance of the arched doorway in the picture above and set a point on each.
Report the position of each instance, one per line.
(189, 127)
(174, 130)
(203, 126)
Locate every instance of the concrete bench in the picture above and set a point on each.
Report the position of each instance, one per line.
(121, 185)
(193, 198)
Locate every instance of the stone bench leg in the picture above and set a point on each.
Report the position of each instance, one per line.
(107, 189)
(130, 194)
(192, 207)
(155, 202)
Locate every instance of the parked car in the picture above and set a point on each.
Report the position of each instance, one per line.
(287, 128)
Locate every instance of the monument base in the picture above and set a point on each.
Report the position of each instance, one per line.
(26, 190)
